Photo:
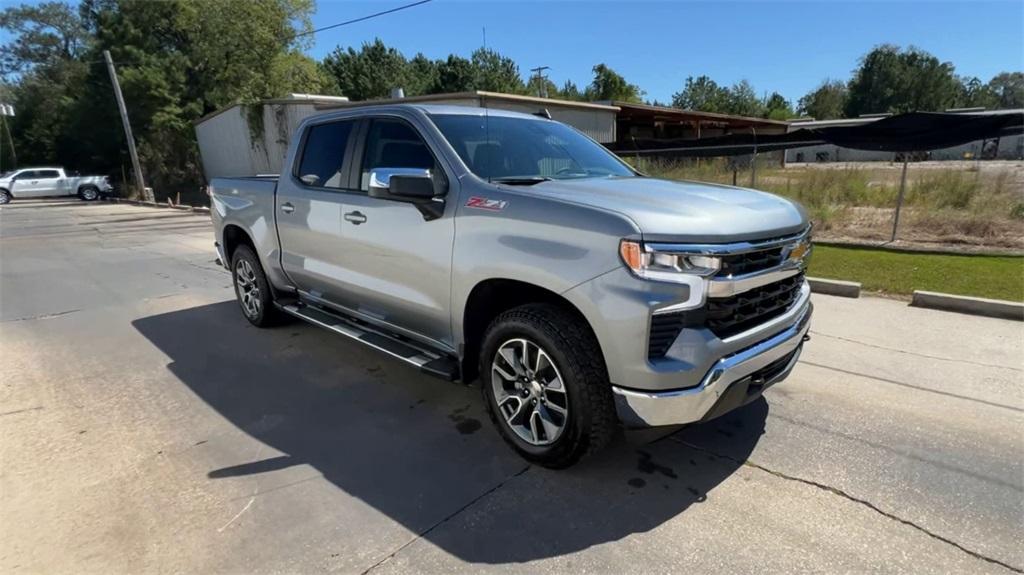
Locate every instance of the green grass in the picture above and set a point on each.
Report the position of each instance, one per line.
(997, 277)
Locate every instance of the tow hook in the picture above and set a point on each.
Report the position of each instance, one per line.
(806, 337)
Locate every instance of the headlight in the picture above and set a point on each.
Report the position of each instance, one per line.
(664, 266)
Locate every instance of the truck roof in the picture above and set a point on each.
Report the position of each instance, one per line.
(451, 109)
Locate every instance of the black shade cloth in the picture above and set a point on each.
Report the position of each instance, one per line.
(914, 132)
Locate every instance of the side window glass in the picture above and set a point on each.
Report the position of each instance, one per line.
(323, 155)
(28, 175)
(49, 174)
(393, 144)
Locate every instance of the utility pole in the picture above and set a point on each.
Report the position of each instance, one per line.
(140, 183)
(542, 85)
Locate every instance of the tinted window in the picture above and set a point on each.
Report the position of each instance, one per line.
(510, 147)
(394, 144)
(28, 175)
(48, 174)
(323, 154)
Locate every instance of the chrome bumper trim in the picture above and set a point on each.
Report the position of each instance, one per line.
(648, 409)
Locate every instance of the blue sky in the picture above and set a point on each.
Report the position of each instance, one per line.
(784, 46)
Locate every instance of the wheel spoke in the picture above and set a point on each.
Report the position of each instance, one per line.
(552, 406)
(509, 355)
(512, 408)
(551, 429)
(536, 426)
(503, 373)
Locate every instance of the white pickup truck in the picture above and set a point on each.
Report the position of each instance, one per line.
(46, 181)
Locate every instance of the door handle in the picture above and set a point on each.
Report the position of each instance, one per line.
(355, 217)
(287, 207)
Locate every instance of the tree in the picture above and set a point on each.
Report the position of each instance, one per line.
(1008, 89)
(495, 73)
(610, 85)
(973, 93)
(893, 80)
(455, 74)
(421, 76)
(369, 73)
(776, 107)
(49, 33)
(826, 102)
(743, 101)
(178, 60)
(569, 91)
(702, 94)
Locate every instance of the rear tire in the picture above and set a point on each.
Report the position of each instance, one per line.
(89, 194)
(252, 289)
(556, 407)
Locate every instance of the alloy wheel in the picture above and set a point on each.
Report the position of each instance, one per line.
(529, 391)
(248, 289)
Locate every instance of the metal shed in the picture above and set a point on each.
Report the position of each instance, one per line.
(245, 140)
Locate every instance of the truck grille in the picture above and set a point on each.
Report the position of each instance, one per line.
(665, 329)
(729, 316)
(749, 262)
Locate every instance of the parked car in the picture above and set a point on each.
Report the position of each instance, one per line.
(512, 249)
(42, 182)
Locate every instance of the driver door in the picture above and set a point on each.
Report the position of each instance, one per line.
(397, 264)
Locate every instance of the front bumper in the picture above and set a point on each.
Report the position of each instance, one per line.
(732, 381)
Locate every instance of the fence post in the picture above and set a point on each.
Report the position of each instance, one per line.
(899, 198)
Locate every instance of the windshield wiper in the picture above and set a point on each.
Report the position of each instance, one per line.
(520, 180)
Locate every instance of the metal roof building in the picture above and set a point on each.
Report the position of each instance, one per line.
(243, 140)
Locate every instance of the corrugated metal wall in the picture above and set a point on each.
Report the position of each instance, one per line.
(227, 148)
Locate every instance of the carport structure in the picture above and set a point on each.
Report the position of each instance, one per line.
(647, 122)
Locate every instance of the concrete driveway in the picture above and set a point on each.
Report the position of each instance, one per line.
(146, 427)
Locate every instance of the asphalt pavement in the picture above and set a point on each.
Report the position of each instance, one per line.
(146, 427)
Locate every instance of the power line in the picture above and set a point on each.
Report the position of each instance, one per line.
(360, 19)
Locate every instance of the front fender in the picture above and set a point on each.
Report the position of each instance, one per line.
(548, 243)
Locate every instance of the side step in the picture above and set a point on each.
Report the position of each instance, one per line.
(428, 361)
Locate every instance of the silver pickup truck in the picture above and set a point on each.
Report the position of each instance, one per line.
(512, 249)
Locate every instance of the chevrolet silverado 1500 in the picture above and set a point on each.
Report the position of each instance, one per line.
(41, 182)
(510, 248)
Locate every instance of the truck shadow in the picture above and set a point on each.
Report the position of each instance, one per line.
(421, 451)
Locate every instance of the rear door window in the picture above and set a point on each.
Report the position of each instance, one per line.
(323, 155)
(48, 174)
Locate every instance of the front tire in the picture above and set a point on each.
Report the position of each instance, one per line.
(252, 288)
(545, 385)
(5, 197)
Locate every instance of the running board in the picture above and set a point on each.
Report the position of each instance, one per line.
(428, 361)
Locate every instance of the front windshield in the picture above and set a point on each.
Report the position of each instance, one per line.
(503, 148)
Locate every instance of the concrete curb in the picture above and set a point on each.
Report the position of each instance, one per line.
(834, 287)
(183, 207)
(969, 305)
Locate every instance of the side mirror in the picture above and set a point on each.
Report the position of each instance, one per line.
(412, 185)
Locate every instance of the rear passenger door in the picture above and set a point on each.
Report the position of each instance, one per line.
(309, 204)
(49, 183)
(397, 264)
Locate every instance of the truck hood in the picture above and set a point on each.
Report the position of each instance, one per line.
(684, 211)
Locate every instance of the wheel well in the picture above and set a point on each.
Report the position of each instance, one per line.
(489, 299)
(9, 192)
(235, 236)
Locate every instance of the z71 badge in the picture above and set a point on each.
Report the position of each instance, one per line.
(486, 204)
